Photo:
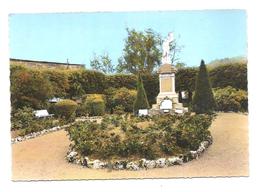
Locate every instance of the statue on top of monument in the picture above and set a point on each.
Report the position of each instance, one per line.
(166, 48)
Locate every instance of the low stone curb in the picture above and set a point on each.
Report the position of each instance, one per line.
(36, 134)
(75, 158)
(45, 131)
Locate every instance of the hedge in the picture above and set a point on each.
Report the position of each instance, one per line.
(32, 87)
(234, 75)
(231, 99)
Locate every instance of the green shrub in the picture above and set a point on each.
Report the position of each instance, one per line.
(151, 82)
(38, 125)
(66, 109)
(121, 137)
(95, 104)
(21, 118)
(120, 100)
(119, 110)
(25, 122)
(203, 100)
(191, 130)
(141, 101)
(231, 99)
(29, 88)
(125, 98)
(233, 74)
(81, 110)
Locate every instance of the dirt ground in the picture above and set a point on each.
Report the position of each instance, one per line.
(43, 158)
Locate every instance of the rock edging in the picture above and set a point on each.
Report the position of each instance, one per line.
(73, 157)
(45, 131)
(36, 134)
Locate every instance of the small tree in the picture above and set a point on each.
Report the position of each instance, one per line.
(203, 100)
(141, 101)
(102, 63)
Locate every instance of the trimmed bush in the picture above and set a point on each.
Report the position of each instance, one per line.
(141, 101)
(125, 98)
(95, 104)
(66, 109)
(121, 98)
(203, 101)
(231, 99)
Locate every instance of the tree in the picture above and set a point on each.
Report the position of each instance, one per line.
(203, 101)
(102, 63)
(142, 52)
(180, 65)
(141, 101)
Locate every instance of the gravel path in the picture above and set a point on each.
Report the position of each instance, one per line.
(42, 158)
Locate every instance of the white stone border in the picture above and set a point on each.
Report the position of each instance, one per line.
(73, 157)
(36, 134)
(53, 129)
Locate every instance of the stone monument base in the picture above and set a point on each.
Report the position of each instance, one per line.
(173, 97)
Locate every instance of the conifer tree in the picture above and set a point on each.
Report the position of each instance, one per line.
(141, 101)
(203, 100)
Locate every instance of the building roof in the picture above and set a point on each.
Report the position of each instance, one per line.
(46, 62)
(167, 68)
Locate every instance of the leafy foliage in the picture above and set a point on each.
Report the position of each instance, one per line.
(191, 130)
(231, 99)
(29, 88)
(203, 101)
(234, 75)
(102, 63)
(141, 52)
(119, 136)
(21, 118)
(24, 121)
(125, 98)
(95, 104)
(66, 109)
(59, 81)
(141, 101)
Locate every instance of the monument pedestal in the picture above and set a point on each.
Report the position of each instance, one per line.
(167, 100)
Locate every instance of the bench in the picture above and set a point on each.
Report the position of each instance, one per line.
(42, 113)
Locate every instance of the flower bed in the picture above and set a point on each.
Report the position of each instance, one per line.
(127, 142)
(74, 157)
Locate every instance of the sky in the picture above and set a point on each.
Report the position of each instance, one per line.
(56, 37)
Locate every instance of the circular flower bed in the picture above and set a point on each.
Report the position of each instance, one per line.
(123, 142)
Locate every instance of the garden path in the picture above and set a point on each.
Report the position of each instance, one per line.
(42, 158)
